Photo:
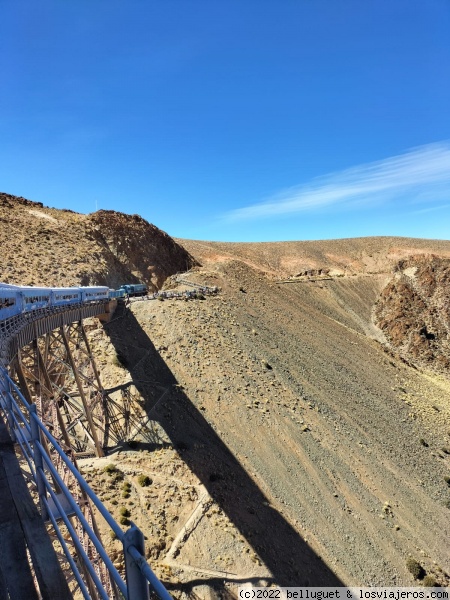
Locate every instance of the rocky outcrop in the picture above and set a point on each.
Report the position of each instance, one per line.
(413, 310)
(9, 201)
(149, 254)
(49, 247)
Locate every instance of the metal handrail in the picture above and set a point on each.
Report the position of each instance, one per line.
(40, 477)
(98, 545)
(136, 556)
(83, 484)
(78, 545)
(27, 430)
(69, 557)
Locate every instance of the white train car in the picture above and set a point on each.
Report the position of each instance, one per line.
(10, 301)
(15, 299)
(34, 297)
(94, 294)
(63, 296)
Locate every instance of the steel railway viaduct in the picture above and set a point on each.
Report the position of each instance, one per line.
(55, 409)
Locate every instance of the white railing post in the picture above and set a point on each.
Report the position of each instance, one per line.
(137, 584)
(38, 462)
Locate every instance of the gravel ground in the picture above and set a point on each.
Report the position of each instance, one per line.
(303, 429)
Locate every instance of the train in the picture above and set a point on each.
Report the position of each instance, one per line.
(134, 289)
(15, 300)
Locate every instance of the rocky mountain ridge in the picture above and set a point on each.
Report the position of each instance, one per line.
(341, 257)
(50, 247)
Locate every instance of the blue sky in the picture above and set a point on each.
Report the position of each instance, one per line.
(238, 120)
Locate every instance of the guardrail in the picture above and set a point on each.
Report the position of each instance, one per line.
(57, 504)
(175, 295)
(58, 498)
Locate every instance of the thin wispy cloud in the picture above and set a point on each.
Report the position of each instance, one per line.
(431, 209)
(423, 172)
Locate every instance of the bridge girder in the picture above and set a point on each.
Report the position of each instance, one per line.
(57, 371)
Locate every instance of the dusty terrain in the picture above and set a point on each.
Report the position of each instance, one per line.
(287, 437)
(323, 453)
(45, 246)
(346, 256)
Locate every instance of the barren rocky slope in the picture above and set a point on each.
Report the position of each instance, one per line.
(414, 311)
(339, 257)
(45, 246)
(285, 440)
(306, 434)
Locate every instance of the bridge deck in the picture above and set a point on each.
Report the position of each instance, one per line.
(22, 528)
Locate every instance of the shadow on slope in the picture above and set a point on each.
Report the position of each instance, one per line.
(278, 544)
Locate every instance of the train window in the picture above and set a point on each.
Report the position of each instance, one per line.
(5, 302)
(34, 299)
(65, 296)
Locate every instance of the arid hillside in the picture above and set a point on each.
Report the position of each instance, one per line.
(414, 311)
(319, 454)
(297, 425)
(45, 246)
(338, 257)
(319, 448)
